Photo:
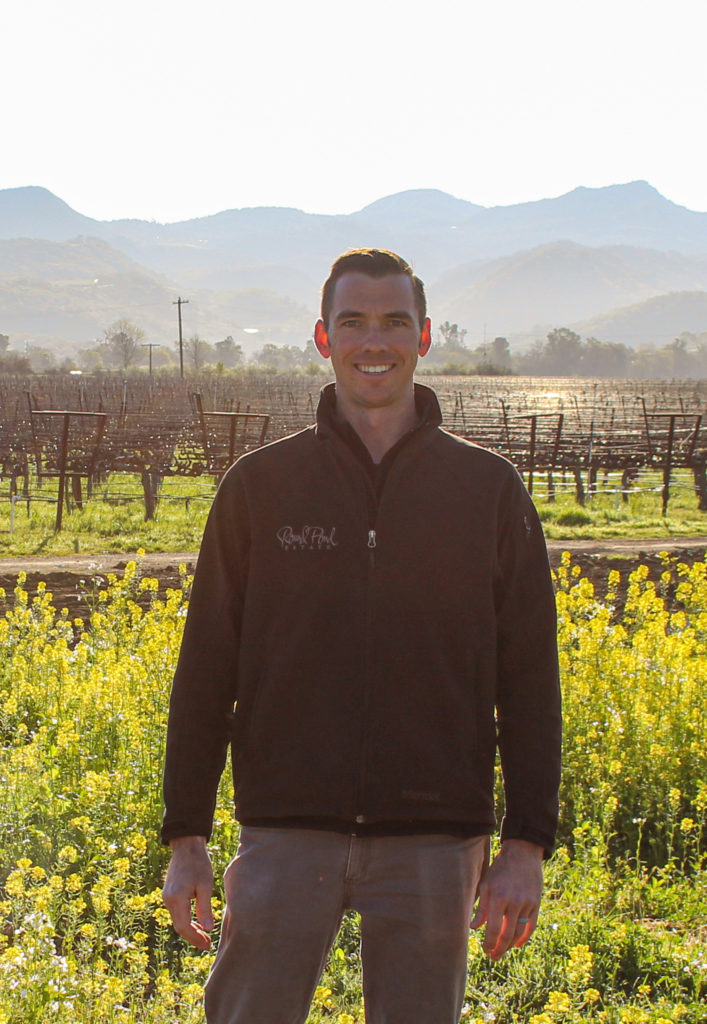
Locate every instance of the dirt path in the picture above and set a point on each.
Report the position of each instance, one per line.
(66, 576)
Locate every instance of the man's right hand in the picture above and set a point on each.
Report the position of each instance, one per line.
(190, 877)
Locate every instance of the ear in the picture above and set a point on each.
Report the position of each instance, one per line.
(321, 339)
(425, 338)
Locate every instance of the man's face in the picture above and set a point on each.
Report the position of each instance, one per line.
(374, 340)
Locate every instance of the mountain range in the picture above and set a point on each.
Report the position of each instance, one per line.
(621, 262)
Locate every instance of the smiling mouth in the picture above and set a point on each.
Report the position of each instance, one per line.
(374, 367)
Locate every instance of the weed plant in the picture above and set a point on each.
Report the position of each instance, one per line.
(84, 938)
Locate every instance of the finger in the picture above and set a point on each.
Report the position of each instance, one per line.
(525, 926)
(179, 906)
(482, 911)
(192, 931)
(495, 949)
(494, 929)
(515, 932)
(204, 912)
(196, 936)
(507, 928)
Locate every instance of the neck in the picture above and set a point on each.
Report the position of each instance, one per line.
(379, 429)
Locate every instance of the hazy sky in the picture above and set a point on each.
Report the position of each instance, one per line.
(168, 111)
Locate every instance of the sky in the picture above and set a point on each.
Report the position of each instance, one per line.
(167, 111)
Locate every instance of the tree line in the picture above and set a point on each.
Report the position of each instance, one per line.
(124, 348)
(562, 353)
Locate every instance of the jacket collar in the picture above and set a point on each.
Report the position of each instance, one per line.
(426, 404)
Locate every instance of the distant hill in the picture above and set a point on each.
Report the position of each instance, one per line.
(515, 270)
(557, 284)
(418, 210)
(442, 231)
(63, 295)
(651, 322)
(635, 214)
(34, 212)
(82, 259)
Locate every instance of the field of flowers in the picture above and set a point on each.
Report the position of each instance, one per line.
(83, 936)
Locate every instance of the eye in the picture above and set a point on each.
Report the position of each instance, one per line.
(349, 323)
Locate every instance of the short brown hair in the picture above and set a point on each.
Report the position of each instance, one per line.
(374, 263)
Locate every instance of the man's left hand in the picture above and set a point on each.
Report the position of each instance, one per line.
(509, 897)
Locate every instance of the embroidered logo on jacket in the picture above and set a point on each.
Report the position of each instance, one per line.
(309, 538)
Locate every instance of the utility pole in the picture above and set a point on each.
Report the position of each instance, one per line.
(180, 301)
(150, 345)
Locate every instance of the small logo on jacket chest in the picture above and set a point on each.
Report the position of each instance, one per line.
(309, 538)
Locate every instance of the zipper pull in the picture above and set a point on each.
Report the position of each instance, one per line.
(371, 538)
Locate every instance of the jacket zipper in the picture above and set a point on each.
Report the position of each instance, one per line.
(373, 509)
(371, 543)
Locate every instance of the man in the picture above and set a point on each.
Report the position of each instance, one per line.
(373, 595)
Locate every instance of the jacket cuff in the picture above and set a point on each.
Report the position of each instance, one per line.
(518, 828)
(178, 829)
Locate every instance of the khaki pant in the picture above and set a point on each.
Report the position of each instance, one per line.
(286, 892)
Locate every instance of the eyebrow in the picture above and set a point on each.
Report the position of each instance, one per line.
(395, 314)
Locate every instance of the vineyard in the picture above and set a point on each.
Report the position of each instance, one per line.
(60, 437)
(84, 938)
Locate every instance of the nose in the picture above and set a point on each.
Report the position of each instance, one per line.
(374, 338)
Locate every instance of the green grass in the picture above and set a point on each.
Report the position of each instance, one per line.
(113, 519)
(606, 515)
